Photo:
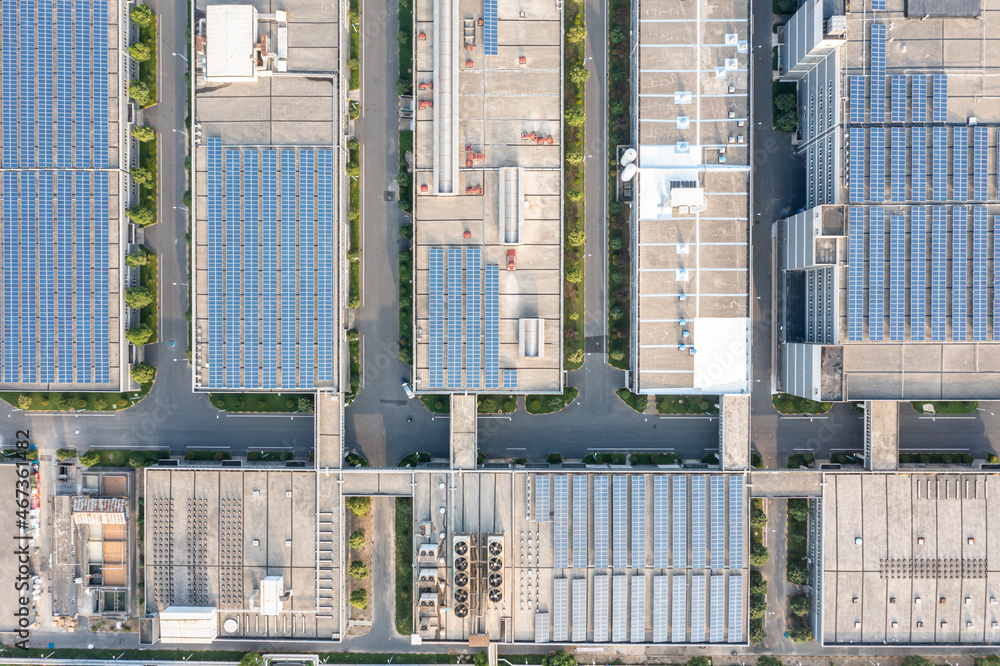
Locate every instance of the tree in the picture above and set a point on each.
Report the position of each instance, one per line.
(914, 660)
(798, 572)
(142, 15)
(575, 356)
(357, 539)
(574, 275)
(798, 509)
(359, 599)
(758, 519)
(785, 101)
(251, 658)
(140, 92)
(65, 454)
(699, 661)
(359, 506)
(139, 334)
(758, 554)
(575, 195)
(786, 121)
(140, 51)
(799, 604)
(138, 258)
(574, 157)
(23, 401)
(560, 658)
(758, 606)
(800, 634)
(617, 35)
(143, 373)
(758, 635)
(577, 236)
(141, 176)
(353, 168)
(757, 583)
(143, 133)
(305, 404)
(575, 117)
(579, 74)
(141, 215)
(358, 570)
(480, 659)
(138, 297)
(90, 458)
(617, 107)
(404, 87)
(576, 34)
(989, 660)
(138, 462)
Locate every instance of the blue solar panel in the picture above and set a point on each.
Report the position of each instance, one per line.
(306, 243)
(234, 239)
(100, 50)
(490, 27)
(960, 164)
(45, 94)
(46, 284)
(436, 338)
(698, 511)
(27, 125)
(678, 521)
(877, 105)
(492, 305)
(718, 485)
(101, 341)
(324, 274)
(939, 150)
(959, 271)
(857, 170)
(251, 268)
(454, 317)
(897, 187)
(81, 270)
(939, 276)
(215, 291)
(876, 272)
(897, 277)
(269, 272)
(473, 301)
(64, 258)
(979, 286)
(980, 168)
(876, 165)
(82, 101)
(918, 98)
(736, 511)
(64, 83)
(940, 114)
(918, 171)
(918, 273)
(898, 98)
(857, 86)
(856, 274)
(10, 48)
(11, 289)
(878, 5)
(289, 356)
(29, 341)
(510, 378)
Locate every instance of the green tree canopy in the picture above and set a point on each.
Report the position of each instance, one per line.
(139, 335)
(142, 15)
(140, 51)
(90, 458)
(143, 373)
(141, 215)
(359, 506)
(143, 133)
(138, 297)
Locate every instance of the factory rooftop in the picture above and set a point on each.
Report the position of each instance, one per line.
(488, 182)
(267, 198)
(691, 254)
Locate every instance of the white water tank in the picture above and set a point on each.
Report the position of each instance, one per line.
(628, 173)
(629, 156)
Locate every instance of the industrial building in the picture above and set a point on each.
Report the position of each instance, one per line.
(488, 188)
(66, 155)
(267, 198)
(620, 556)
(691, 171)
(888, 281)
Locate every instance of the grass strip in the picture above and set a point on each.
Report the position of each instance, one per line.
(404, 566)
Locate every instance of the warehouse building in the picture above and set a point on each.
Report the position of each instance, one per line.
(691, 174)
(65, 187)
(889, 287)
(267, 269)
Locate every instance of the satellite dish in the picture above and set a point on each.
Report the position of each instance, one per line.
(629, 156)
(628, 173)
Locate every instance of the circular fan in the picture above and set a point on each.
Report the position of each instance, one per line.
(461, 579)
(496, 547)
(461, 547)
(496, 564)
(496, 580)
(461, 563)
(461, 595)
(496, 595)
(461, 610)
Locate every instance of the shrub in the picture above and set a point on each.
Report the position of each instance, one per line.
(141, 176)
(576, 34)
(358, 570)
(143, 133)
(578, 74)
(799, 604)
(137, 461)
(261, 404)
(189, 455)
(535, 405)
(798, 573)
(353, 335)
(359, 506)
(554, 458)
(359, 599)
(353, 168)
(616, 107)
(577, 236)
(575, 117)
(100, 404)
(44, 401)
(289, 403)
(253, 456)
(800, 634)
(141, 215)
(24, 401)
(139, 334)
(574, 275)
(142, 15)
(575, 356)
(65, 454)
(143, 373)
(81, 403)
(140, 51)
(575, 196)
(305, 404)
(574, 157)
(219, 455)
(357, 538)
(509, 406)
(90, 458)
(757, 634)
(617, 355)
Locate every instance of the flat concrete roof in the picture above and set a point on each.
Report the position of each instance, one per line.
(910, 558)
(693, 134)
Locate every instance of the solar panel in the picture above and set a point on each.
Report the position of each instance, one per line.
(234, 245)
(454, 317)
(661, 598)
(679, 522)
(307, 249)
(83, 102)
(660, 523)
(897, 187)
(960, 164)
(215, 266)
(492, 360)
(64, 84)
(324, 265)
(856, 273)
(638, 618)
(473, 298)
(600, 522)
(939, 259)
(490, 27)
(698, 550)
(876, 165)
(939, 177)
(269, 274)
(560, 537)
(542, 511)
(918, 273)
(251, 267)
(996, 278)
(735, 608)
(718, 522)
(581, 517)
(898, 98)
(876, 272)
(10, 48)
(918, 98)
(510, 378)
(27, 126)
(897, 277)
(716, 609)
(560, 610)
(619, 596)
(857, 165)
(877, 104)
(81, 270)
(100, 51)
(289, 358)
(619, 525)
(101, 320)
(436, 335)
(11, 282)
(579, 601)
(878, 5)
(857, 88)
(959, 271)
(29, 335)
(918, 169)
(64, 260)
(980, 168)
(678, 609)
(736, 522)
(46, 284)
(979, 240)
(940, 114)
(697, 609)
(541, 627)
(638, 522)
(600, 608)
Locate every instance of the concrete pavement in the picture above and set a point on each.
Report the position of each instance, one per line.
(775, 622)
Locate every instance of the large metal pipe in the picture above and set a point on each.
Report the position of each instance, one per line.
(444, 92)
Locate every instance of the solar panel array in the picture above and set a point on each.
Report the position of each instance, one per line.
(857, 170)
(436, 334)
(876, 165)
(940, 113)
(679, 521)
(638, 522)
(876, 272)
(560, 538)
(490, 27)
(960, 164)
(735, 608)
(918, 164)
(579, 601)
(542, 493)
(898, 113)
(716, 609)
(619, 525)
(679, 606)
(581, 517)
(959, 271)
(856, 272)
(736, 522)
(661, 520)
(980, 165)
(560, 610)
(473, 296)
(619, 610)
(979, 286)
(637, 621)
(601, 608)
(939, 164)
(918, 98)
(897, 276)
(698, 515)
(697, 609)
(877, 104)
(918, 273)
(897, 186)
(718, 522)
(661, 598)
(492, 321)
(939, 277)
(510, 378)
(541, 627)
(601, 522)
(878, 5)
(455, 314)
(857, 91)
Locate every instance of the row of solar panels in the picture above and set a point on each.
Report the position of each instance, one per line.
(866, 159)
(908, 268)
(875, 95)
(244, 267)
(676, 507)
(679, 611)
